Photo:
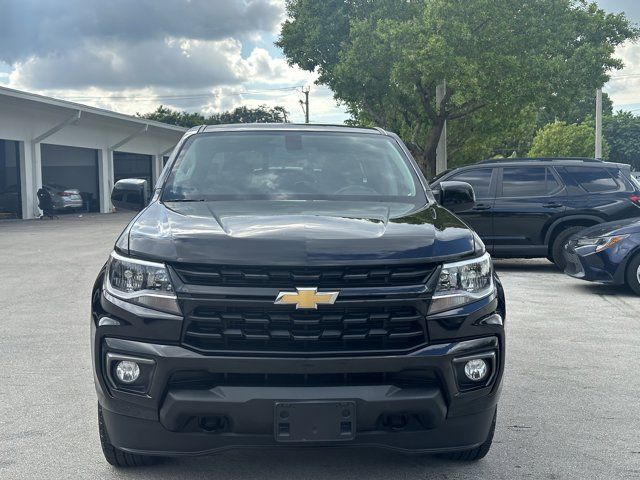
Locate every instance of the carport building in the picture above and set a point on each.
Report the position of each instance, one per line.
(45, 141)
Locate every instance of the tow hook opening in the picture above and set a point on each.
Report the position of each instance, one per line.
(213, 424)
(395, 421)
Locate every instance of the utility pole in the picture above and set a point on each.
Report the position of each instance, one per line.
(305, 104)
(441, 151)
(599, 123)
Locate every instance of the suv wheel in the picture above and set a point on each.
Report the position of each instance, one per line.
(117, 457)
(557, 247)
(633, 274)
(477, 453)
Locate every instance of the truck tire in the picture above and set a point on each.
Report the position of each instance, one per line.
(557, 248)
(117, 457)
(477, 453)
(633, 274)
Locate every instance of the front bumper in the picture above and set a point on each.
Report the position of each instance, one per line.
(67, 203)
(167, 420)
(607, 266)
(238, 406)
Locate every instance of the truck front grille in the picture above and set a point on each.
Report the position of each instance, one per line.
(288, 277)
(211, 329)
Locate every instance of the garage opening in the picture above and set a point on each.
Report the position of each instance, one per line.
(132, 165)
(10, 194)
(68, 172)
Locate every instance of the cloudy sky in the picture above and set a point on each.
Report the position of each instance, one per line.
(194, 55)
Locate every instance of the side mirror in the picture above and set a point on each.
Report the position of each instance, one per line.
(130, 194)
(455, 196)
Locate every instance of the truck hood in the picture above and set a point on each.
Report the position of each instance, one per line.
(298, 233)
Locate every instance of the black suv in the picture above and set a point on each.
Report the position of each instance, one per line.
(293, 285)
(530, 207)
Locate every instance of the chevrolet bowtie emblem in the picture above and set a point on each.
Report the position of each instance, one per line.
(307, 298)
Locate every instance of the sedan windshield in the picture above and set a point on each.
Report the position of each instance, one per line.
(292, 165)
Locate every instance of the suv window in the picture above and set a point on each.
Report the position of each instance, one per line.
(528, 182)
(479, 179)
(593, 179)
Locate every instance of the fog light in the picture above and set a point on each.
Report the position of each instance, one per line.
(476, 369)
(127, 371)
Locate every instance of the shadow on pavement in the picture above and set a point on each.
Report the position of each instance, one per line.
(608, 290)
(539, 265)
(308, 463)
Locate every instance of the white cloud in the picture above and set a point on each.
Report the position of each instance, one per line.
(624, 86)
(179, 63)
(194, 55)
(43, 27)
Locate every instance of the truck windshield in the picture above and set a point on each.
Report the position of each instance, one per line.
(292, 165)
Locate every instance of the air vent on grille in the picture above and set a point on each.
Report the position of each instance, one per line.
(328, 329)
(415, 378)
(281, 277)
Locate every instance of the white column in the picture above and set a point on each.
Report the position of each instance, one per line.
(27, 181)
(37, 173)
(105, 176)
(156, 169)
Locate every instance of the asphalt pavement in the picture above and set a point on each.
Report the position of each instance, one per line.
(570, 405)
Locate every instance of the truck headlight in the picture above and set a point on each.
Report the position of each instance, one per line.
(141, 282)
(463, 282)
(601, 243)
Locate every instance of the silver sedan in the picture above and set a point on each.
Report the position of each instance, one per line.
(64, 198)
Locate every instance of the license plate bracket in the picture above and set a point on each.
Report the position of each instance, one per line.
(314, 421)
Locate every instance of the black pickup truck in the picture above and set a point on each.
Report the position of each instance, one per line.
(295, 285)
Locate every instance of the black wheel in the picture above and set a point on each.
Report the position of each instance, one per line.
(117, 457)
(633, 274)
(477, 453)
(557, 248)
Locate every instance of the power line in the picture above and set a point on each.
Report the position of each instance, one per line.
(626, 75)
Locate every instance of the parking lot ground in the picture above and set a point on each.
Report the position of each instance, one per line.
(569, 408)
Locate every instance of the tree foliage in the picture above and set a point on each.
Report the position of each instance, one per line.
(261, 114)
(559, 139)
(487, 135)
(622, 133)
(581, 109)
(501, 58)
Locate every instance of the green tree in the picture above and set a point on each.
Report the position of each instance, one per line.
(488, 134)
(174, 117)
(622, 133)
(385, 58)
(582, 109)
(559, 139)
(260, 114)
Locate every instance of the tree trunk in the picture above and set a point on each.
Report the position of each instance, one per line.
(428, 163)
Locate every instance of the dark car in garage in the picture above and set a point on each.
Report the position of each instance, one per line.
(10, 202)
(530, 207)
(607, 253)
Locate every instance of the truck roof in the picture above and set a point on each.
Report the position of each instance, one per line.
(314, 127)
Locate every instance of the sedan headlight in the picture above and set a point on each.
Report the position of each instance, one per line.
(601, 243)
(141, 282)
(463, 282)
